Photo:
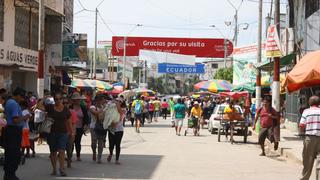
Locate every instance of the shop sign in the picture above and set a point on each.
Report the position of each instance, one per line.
(273, 48)
(198, 47)
(10, 55)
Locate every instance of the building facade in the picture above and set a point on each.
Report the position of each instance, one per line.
(19, 42)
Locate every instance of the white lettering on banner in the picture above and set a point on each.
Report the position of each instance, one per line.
(172, 44)
(20, 56)
(181, 70)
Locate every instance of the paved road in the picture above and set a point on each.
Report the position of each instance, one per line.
(157, 153)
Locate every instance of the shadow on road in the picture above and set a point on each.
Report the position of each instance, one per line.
(132, 167)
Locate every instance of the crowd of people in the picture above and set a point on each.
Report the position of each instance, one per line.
(62, 119)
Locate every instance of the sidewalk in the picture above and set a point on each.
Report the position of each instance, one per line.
(290, 146)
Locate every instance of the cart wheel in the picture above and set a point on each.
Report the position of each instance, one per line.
(245, 136)
(185, 132)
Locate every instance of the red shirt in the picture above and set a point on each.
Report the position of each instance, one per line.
(265, 120)
(164, 105)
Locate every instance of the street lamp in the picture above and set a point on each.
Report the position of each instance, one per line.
(225, 44)
(124, 52)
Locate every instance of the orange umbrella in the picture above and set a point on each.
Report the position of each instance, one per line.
(306, 72)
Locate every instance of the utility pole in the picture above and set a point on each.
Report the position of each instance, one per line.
(145, 71)
(258, 79)
(95, 46)
(276, 75)
(125, 60)
(225, 52)
(236, 29)
(40, 80)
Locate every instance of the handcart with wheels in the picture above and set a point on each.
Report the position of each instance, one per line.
(193, 126)
(236, 124)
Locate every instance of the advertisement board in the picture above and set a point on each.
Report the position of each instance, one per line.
(213, 48)
(180, 68)
(244, 60)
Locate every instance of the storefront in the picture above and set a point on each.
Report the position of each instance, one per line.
(18, 67)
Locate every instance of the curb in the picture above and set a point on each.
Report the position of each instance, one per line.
(282, 151)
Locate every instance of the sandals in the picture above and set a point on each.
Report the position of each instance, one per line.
(54, 173)
(63, 173)
(109, 158)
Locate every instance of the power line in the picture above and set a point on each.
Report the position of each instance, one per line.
(265, 2)
(104, 22)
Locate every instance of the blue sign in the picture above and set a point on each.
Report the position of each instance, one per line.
(180, 68)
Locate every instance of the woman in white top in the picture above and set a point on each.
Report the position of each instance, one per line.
(97, 138)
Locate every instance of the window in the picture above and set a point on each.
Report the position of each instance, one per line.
(26, 28)
(1, 19)
(312, 6)
(214, 66)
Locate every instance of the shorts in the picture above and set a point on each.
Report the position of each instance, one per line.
(138, 116)
(179, 122)
(264, 134)
(57, 141)
(195, 122)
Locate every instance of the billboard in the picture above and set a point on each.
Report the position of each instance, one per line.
(74, 47)
(161, 57)
(244, 60)
(213, 48)
(180, 68)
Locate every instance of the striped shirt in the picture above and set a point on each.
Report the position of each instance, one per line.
(311, 120)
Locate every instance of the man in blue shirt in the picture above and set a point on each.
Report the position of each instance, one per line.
(13, 134)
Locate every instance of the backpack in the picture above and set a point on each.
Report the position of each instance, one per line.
(138, 107)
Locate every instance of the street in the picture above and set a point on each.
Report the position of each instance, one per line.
(157, 153)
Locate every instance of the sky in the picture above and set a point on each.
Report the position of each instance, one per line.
(170, 18)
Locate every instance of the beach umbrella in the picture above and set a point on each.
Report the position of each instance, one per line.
(144, 92)
(81, 83)
(214, 86)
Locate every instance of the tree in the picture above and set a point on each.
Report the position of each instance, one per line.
(224, 74)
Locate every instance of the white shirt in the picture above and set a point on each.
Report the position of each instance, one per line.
(39, 116)
(311, 119)
(93, 117)
(26, 122)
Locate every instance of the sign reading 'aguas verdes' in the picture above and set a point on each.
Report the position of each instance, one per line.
(15, 55)
(180, 68)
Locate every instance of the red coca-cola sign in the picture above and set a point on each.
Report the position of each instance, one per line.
(212, 48)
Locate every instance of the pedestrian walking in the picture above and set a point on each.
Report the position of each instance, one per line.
(164, 108)
(97, 136)
(74, 119)
(82, 121)
(310, 124)
(145, 114)
(61, 129)
(138, 106)
(253, 110)
(157, 106)
(39, 117)
(13, 134)
(171, 105)
(151, 111)
(25, 143)
(115, 134)
(179, 115)
(196, 114)
(267, 115)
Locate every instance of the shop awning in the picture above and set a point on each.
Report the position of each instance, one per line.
(284, 61)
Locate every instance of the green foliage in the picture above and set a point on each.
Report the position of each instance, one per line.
(224, 74)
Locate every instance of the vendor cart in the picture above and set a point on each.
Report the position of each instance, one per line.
(236, 126)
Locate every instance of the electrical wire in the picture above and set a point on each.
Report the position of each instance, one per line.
(265, 2)
(104, 22)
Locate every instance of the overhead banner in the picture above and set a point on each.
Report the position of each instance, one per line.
(244, 60)
(180, 68)
(273, 48)
(162, 57)
(212, 48)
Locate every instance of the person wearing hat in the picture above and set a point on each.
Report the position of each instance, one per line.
(13, 134)
(196, 114)
(82, 120)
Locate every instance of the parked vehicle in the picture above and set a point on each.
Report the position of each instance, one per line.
(214, 121)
